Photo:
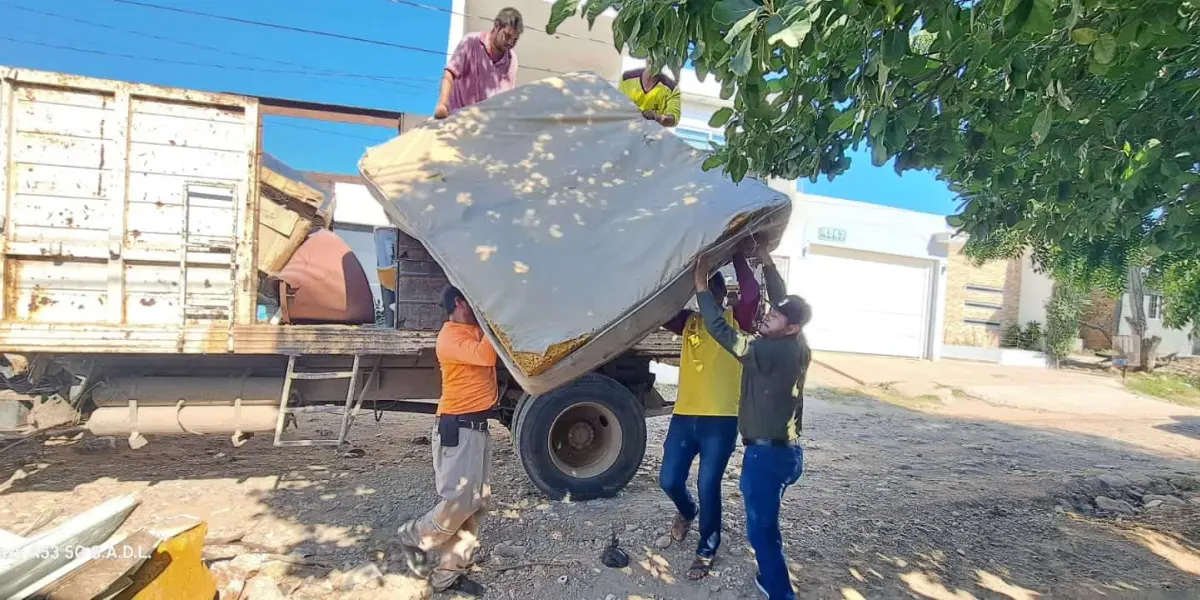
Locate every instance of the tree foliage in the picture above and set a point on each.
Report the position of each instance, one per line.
(1068, 127)
(1068, 302)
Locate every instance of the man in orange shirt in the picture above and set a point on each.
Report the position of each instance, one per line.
(462, 452)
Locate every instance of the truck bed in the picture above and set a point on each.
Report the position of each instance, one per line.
(243, 339)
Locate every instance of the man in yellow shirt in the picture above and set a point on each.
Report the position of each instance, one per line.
(656, 95)
(705, 421)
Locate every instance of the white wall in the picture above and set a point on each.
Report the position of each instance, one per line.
(1173, 340)
(1035, 292)
(356, 213)
(870, 228)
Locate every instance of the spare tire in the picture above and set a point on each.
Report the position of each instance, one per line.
(583, 440)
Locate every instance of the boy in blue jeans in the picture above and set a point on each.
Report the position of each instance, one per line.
(704, 421)
(774, 363)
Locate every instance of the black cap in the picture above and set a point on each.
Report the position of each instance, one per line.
(450, 296)
(797, 311)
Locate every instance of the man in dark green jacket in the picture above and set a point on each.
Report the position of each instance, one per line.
(774, 364)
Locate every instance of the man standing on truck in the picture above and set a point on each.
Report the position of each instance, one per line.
(657, 96)
(483, 65)
(774, 365)
(462, 452)
(704, 422)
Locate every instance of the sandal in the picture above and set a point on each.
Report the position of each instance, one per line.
(679, 528)
(700, 568)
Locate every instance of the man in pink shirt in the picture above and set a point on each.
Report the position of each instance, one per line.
(483, 65)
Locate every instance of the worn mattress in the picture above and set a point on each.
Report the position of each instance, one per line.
(568, 221)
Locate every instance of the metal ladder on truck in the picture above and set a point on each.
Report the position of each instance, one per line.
(349, 409)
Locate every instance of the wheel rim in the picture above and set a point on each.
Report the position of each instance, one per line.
(585, 440)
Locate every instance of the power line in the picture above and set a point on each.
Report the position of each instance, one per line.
(491, 19)
(328, 34)
(332, 73)
(326, 131)
(184, 62)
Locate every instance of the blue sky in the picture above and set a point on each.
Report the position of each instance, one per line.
(313, 68)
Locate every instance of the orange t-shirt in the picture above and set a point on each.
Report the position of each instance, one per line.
(468, 364)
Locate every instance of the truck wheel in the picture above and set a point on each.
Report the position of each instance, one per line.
(584, 440)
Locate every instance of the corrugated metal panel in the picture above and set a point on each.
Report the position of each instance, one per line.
(125, 203)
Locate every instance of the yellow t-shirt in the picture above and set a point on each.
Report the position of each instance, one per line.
(663, 98)
(710, 378)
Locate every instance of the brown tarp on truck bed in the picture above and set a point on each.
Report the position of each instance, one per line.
(569, 222)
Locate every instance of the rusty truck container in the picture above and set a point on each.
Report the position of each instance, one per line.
(125, 204)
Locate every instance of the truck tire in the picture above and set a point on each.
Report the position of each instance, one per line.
(582, 441)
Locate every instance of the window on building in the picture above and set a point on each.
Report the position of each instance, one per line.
(984, 322)
(698, 138)
(781, 264)
(1154, 311)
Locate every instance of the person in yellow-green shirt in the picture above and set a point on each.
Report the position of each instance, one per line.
(656, 95)
(705, 421)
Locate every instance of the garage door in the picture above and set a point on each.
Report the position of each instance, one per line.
(866, 302)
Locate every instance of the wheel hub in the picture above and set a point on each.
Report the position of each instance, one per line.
(581, 435)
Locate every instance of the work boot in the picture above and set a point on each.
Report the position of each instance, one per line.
(466, 586)
(414, 558)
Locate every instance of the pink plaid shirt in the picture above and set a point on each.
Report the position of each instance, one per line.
(476, 76)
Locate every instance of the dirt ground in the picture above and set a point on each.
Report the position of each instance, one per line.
(900, 499)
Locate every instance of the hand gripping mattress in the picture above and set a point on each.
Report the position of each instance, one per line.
(568, 221)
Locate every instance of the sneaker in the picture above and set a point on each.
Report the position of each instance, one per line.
(467, 587)
(414, 558)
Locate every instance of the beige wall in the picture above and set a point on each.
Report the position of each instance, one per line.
(977, 295)
(539, 52)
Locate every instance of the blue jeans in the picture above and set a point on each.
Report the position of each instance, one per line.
(767, 471)
(713, 438)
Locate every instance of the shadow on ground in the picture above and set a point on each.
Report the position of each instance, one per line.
(894, 503)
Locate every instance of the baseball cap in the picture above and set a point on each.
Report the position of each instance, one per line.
(450, 295)
(797, 311)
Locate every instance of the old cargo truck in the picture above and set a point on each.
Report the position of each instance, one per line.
(130, 264)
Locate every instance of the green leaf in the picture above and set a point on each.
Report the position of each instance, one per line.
(559, 11)
(879, 154)
(1041, 17)
(895, 46)
(897, 137)
(1011, 5)
(793, 35)
(1085, 36)
(740, 25)
(1105, 49)
(594, 8)
(955, 221)
(720, 118)
(878, 123)
(712, 162)
(844, 120)
(741, 61)
(1076, 13)
(1041, 127)
(728, 12)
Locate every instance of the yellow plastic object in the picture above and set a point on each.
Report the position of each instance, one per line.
(175, 571)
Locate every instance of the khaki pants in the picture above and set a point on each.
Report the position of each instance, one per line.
(463, 475)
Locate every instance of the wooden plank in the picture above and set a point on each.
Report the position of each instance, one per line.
(164, 130)
(68, 81)
(245, 272)
(7, 181)
(60, 119)
(118, 199)
(248, 339)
